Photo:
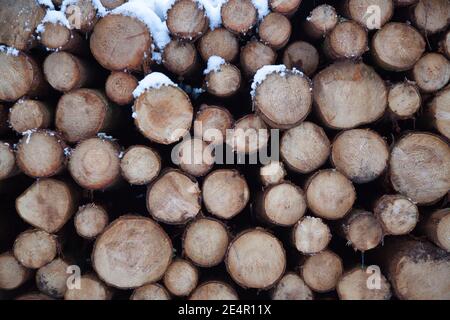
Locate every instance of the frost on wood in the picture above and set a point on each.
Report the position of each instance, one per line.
(101, 10)
(263, 72)
(55, 17)
(214, 63)
(153, 80)
(9, 50)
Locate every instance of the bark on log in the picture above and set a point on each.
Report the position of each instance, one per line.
(329, 194)
(119, 87)
(238, 16)
(181, 278)
(153, 291)
(225, 193)
(321, 20)
(219, 42)
(12, 273)
(432, 72)
(35, 248)
(272, 173)
(302, 56)
(131, 252)
(205, 242)
(91, 288)
(439, 112)
(362, 230)
(174, 198)
(7, 161)
(255, 55)
(211, 123)
(51, 279)
(431, 16)
(292, 287)
(305, 148)
(361, 154)
(397, 214)
(354, 285)
(404, 100)
(28, 114)
(420, 167)
(47, 204)
(180, 57)
(275, 30)
(393, 38)
(91, 220)
(256, 259)
(58, 37)
(286, 7)
(437, 228)
(195, 157)
(224, 82)
(214, 290)
(311, 235)
(249, 135)
(321, 272)
(187, 20)
(363, 11)
(140, 165)
(94, 164)
(347, 39)
(366, 103)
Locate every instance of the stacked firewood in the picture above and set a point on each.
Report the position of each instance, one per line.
(224, 149)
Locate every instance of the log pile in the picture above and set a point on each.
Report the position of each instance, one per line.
(237, 149)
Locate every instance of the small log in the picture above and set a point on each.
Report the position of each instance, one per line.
(58, 37)
(302, 56)
(224, 82)
(321, 20)
(28, 114)
(366, 103)
(174, 198)
(140, 165)
(420, 167)
(292, 287)
(272, 173)
(180, 57)
(283, 100)
(87, 12)
(347, 39)
(112, 4)
(256, 259)
(329, 194)
(404, 100)
(444, 45)
(417, 270)
(120, 42)
(282, 204)
(249, 135)
(437, 228)
(439, 112)
(393, 38)
(131, 252)
(153, 291)
(35, 248)
(214, 290)
(178, 112)
(181, 278)
(91, 288)
(397, 214)
(205, 242)
(305, 148)
(255, 55)
(225, 193)
(119, 87)
(47, 204)
(362, 230)
(187, 20)
(354, 285)
(21, 76)
(7, 161)
(238, 16)
(363, 11)
(94, 164)
(321, 272)
(90, 220)
(431, 16)
(432, 72)
(211, 123)
(286, 7)
(219, 42)
(311, 235)
(12, 273)
(195, 157)
(51, 279)
(41, 154)
(361, 154)
(275, 30)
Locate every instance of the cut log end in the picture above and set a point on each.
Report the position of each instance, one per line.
(292, 287)
(91, 288)
(219, 42)
(195, 157)
(348, 39)
(255, 55)
(27, 114)
(272, 173)
(51, 279)
(397, 214)
(302, 56)
(311, 235)
(140, 165)
(224, 82)
(320, 21)
(321, 272)
(91, 220)
(214, 290)
(439, 111)
(238, 16)
(404, 100)
(432, 72)
(187, 20)
(437, 228)
(180, 57)
(249, 135)
(363, 11)
(152, 291)
(211, 124)
(355, 285)
(119, 87)
(362, 230)
(12, 273)
(286, 7)
(7, 161)
(431, 16)
(35, 248)
(181, 278)
(275, 30)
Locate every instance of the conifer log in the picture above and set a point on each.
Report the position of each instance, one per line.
(347, 39)
(292, 287)
(119, 87)
(205, 242)
(140, 165)
(153, 291)
(249, 135)
(238, 16)
(51, 279)
(91, 288)
(275, 30)
(87, 14)
(187, 20)
(225, 193)
(47, 204)
(361, 154)
(131, 252)
(120, 42)
(58, 37)
(272, 173)
(214, 290)
(397, 214)
(211, 123)
(28, 114)
(180, 57)
(305, 148)
(362, 230)
(112, 4)
(311, 235)
(174, 198)
(219, 42)
(224, 82)
(432, 72)
(364, 11)
(12, 273)
(349, 94)
(420, 167)
(195, 157)
(302, 56)
(82, 113)
(397, 46)
(437, 228)
(90, 220)
(255, 55)
(329, 194)
(286, 7)
(256, 259)
(404, 100)
(94, 164)
(439, 112)
(321, 272)
(35, 248)
(7, 161)
(181, 278)
(320, 21)
(355, 284)
(431, 16)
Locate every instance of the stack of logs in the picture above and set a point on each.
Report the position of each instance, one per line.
(99, 201)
